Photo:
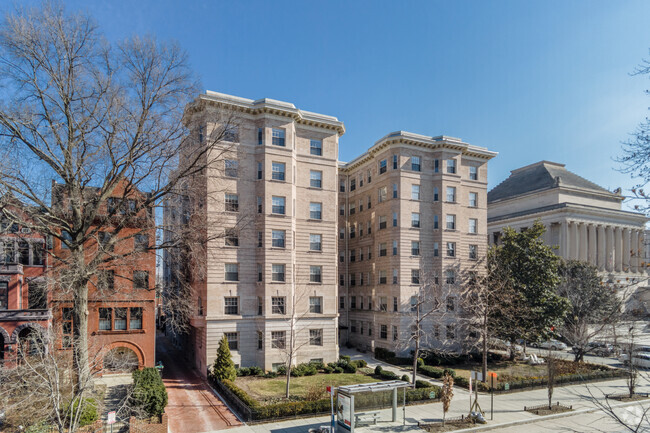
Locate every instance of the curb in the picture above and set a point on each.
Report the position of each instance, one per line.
(540, 418)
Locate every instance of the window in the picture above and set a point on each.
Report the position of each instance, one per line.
(230, 133)
(394, 248)
(415, 276)
(23, 253)
(382, 249)
(315, 242)
(353, 302)
(315, 304)
(451, 166)
(451, 249)
(352, 231)
(341, 256)
(260, 136)
(436, 196)
(119, 322)
(277, 205)
(315, 273)
(382, 166)
(473, 223)
(38, 252)
(104, 239)
(260, 205)
(451, 332)
(315, 179)
(436, 222)
(342, 210)
(260, 273)
(360, 205)
(451, 222)
(473, 173)
(4, 295)
(278, 137)
(360, 180)
(341, 233)
(473, 252)
(341, 302)
(278, 171)
(395, 307)
(415, 163)
(315, 337)
(231, 304)
(383, 332)
(140, 242)
(369, 228)
(141, 280)
(36, 295)
(369, 203)
(315, 211)
(450, 276)
(370, 328)
(106, 280)
(278, 305)
(260, 170)
(381, 194)
(352, 209)
(436, 165)
(382, 222)
(415, 192)
(66, 326)
(394, 190)
(415, 220)
(105, 319)
(231, 166)
(277, 238)
(260, 340)
(395, 161)
(369, 302)
(260, 239)
(342, 186)
(360, 276)
(451, 194)
(353, 184)
(233, 341)
(277, 273)
(435, 249)
(369, 257)
(369, 176)
(415, 248)
(473, 199)
(414, 303)
(450, 303)
(316, 147)
(232, 238)
(394, 219)
(382, 277)
(395, 334)
(353, 326)
(277, 339)
(383, 304)
(232, 203)
(65, 241)
(232, 271)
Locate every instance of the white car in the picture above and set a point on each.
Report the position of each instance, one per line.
(640, 359)
(550, 344)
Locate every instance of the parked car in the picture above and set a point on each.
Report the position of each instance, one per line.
(550, 344)
(640, 359)
(638, 349)
(498, 344)
(598, 348)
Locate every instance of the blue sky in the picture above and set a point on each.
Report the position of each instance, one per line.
(530, 80)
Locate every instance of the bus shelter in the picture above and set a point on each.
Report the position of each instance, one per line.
(346, 415)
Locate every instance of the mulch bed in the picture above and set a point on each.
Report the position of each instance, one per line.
(628, 397)
(450, 425)
(546, 410)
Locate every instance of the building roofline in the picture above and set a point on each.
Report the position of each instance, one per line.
(570, 206)
(273, 106)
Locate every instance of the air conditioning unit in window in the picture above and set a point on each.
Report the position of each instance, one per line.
(25, 230)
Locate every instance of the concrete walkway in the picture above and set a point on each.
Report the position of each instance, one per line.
(508, 409)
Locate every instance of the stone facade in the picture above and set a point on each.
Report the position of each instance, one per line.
(583, 221)
(411, 210)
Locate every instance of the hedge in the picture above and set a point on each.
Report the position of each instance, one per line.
(391, 358)
(435, 372)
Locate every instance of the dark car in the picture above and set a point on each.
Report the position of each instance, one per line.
(598, 348)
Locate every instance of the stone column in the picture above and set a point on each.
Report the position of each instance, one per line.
(564, 239)
(583, 242)
(634, 260)
(618, 249)
(609, 249)
(626, 250)
(593, 259)
(573, 241)
(602, 251)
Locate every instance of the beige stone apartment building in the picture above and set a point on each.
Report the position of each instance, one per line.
(412, 211)
(339, 244)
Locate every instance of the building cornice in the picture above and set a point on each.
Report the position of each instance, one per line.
(440, 142)
(272, 106)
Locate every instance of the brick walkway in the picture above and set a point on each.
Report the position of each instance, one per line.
(193, 407)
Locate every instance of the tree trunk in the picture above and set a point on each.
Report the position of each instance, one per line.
(80, 316)
(485, 347)
(416, 353)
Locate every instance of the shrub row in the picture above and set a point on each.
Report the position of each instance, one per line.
(391, 358)
(435, 372)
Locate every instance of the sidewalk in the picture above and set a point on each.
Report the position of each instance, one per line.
(508, 408)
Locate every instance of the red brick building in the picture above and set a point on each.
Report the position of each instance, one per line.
(23, 286)
(122, 295)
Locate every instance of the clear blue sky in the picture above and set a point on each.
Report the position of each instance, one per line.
(530, 80)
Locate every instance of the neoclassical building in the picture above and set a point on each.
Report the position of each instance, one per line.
(584, 220)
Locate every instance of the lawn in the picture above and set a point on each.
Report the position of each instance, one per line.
(518, 370)
(271, 390)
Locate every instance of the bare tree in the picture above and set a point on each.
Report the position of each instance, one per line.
(551, 373)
